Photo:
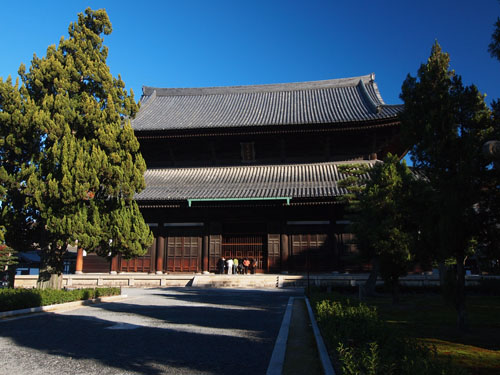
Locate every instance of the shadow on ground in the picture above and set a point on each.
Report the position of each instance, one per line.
(180, 331)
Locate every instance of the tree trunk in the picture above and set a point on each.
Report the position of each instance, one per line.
(460, 295)
(52, 281)
(51, 268)
(11, 272)
(369, 288)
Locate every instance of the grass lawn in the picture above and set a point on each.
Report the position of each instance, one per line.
(426, 318)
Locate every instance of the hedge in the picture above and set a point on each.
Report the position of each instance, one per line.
(15, 299)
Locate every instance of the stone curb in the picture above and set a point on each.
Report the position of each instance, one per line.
(326, 363)
(60, 306)
(278, 357)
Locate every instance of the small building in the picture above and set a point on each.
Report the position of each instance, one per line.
(252, 172)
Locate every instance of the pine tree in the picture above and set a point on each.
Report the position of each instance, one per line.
(380, 217)
(445, 125)
(88, 165)
(494, 46)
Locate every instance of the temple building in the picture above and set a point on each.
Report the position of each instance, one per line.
(251, 171)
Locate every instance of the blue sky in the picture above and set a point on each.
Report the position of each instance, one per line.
(216, 43)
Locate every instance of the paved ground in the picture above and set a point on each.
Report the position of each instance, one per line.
(154, 331)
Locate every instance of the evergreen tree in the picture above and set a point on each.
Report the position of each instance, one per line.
(381, 219)
(20, 122)
(87, 166)
(494, 46)
(445, 125)
(490, 201)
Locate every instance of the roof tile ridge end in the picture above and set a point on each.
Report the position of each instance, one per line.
(151, 96)
(377, 91)
(371, 103)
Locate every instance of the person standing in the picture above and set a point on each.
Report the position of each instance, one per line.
(253, 266)
(235, 265)
(229, 263)
(220, 265)
(246, 263)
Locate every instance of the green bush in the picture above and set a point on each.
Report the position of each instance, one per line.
(15, 299)
(363, 344)
(339, 320)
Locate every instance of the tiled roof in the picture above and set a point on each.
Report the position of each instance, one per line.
(318, 180)
(320, 102)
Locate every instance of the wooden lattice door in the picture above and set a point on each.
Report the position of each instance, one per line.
(310, 252)
(139, 264)
(245, 246)
(273, 253)
(183, 254)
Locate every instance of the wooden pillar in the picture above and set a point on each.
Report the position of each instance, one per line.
(152, 258)
(373, 153)
(114, 265)
(79, 261)
(204, 255)
(160, 250)
(284, 253)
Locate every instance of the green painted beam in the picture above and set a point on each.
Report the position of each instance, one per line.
(190, 201)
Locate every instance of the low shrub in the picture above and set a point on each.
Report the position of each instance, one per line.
(361, 343)
(15, 299)
(339, 320)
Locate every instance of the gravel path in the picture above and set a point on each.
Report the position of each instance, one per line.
(154, 331)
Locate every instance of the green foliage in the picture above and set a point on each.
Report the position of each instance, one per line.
(19, 155)
(356, 176)
(7, 257)
(445, 126)
(364, 344)
(358, 322)
(380, 214)
(70, 162)
(16, 299)
(494, 46)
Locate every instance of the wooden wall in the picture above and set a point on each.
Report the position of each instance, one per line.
(303, 147)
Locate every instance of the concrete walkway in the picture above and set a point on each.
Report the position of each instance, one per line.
(154, 331)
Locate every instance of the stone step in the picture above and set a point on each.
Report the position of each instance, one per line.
(236, 281)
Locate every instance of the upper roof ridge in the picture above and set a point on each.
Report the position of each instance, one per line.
(276, 87)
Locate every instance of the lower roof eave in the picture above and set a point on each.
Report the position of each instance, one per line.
(260, 130)
(240, 202)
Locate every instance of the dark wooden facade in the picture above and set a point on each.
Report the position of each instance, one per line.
(280, 238)
(284, 146)
(251, 172)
